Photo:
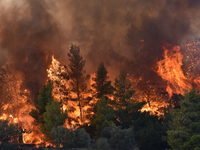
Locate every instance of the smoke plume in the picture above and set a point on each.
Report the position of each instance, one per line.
(124, 34)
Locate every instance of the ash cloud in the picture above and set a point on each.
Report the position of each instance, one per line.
(124, 34)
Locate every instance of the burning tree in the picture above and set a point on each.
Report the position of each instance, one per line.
(57, 73)
(78, 85)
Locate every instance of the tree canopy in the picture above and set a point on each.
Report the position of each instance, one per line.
(184, 130)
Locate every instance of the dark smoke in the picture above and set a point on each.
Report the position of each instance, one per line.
(29, 36)
(124, 34)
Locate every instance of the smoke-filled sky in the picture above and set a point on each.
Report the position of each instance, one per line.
(124, 34)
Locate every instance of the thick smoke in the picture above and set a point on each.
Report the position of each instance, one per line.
(124, 34)
(133, 30)
(28, 37)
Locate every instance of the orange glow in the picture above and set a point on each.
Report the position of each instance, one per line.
(16, 102)
(16, 105)
(170, 70)
(54, 73)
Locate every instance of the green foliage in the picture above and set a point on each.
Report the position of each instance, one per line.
(53, 117)
(122, 139)
(184, 130)
(82, 138)
(126, 117)
(102, 144)
(63, 136)
(44, 97)
(48, 113)
(123, 90)
(194, 142)
(101, 85)
(149, 132)
(78, 83)
(8, 133)
(148, 129)
(103, 118)
(78, 138)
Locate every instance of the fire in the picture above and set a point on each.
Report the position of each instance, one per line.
(57, 74)
(54, 73)
(170, 70)
(16, 104)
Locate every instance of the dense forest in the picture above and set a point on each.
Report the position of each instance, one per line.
(112, 120)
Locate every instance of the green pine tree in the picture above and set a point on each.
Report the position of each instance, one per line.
(48, 112)
(102, 86)
(44, 97)
(184, 130)
(123, 90)
(53, 117)
(103, 118)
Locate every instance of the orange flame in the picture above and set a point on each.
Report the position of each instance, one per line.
(170, 70)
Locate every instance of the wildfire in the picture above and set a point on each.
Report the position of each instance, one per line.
(170, 70)
(57, 74)
(16, 105)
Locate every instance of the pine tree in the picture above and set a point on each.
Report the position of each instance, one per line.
(53, 117)
(44, 97)
(57, 73)
(48, 112)
(102, 87)
(77, 79)
(103, 117)
(184, 130)
(123, 90)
